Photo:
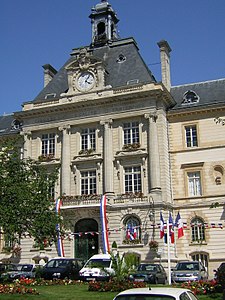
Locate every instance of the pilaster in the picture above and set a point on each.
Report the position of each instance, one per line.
(65, 160)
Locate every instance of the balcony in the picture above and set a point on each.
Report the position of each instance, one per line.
(81, 201)
(131, 198)
(94, 200)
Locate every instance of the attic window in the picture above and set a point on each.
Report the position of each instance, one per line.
(16, 124)
(133, 81)
(121, 58)
(190, 97)
(49, 96)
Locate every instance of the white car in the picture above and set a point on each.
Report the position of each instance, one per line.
(98, 267)
(159, 293)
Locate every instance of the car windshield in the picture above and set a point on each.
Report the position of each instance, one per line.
(98, 263)
(147, 268)
(188, 266)
(144, 297)
(13, 268)
(27, 268)
(58, 263)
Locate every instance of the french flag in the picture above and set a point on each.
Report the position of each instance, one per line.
(171, 228)
(162, 232)
(180, 226)
(131, 233)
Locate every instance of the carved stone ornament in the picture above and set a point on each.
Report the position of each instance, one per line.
(84, 59)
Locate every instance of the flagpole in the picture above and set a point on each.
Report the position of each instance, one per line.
(168, 252)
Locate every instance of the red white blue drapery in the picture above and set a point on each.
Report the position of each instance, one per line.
(60, 247)
(105, 237)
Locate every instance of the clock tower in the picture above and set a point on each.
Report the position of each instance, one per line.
(104, 24)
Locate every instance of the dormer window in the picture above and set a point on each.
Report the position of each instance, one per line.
(190, 97)
(16, 124)
(121, 58)
(49, 96)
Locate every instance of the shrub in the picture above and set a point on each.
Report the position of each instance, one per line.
(114, 285)
(202, 287)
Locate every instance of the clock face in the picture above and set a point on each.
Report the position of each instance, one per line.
(85, 81)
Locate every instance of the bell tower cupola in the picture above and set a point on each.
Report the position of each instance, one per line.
(104, 24)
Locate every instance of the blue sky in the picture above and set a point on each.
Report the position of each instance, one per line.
(34, 33)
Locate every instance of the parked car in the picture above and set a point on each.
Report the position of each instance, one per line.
(98, 267)
(220, 274)
(4, 268)
(152, 273)
(62, 268)
(189, 271)
(156, 294)
(20, 271)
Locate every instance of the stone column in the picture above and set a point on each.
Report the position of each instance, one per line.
(65, 160)
(27, 144)
(107, 157)
(153, 152)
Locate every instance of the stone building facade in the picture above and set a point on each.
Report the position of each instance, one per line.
(150, 147)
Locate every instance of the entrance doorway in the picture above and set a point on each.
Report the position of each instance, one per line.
(86, 238)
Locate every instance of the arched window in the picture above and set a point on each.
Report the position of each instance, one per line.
(197, 230)
(101, 28)
(132, 231)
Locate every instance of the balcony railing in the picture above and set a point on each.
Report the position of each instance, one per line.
(93, 200)
(81, 200)
(129, 198)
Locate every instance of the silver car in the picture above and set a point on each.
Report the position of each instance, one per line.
(189, 271)
(159, 293)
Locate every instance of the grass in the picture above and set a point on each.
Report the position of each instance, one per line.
(75, 292)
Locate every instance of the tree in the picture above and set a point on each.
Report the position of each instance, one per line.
(26, 207)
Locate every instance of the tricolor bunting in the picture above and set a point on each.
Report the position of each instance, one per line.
(60, 247)
(105, 237)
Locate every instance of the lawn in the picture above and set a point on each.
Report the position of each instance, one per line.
(74, 292)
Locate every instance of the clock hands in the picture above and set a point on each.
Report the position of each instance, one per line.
(87, 81)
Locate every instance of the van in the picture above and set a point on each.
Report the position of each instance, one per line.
(98, 267)
(62, 268)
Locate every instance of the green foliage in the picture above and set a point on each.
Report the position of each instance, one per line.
(25, 202)
(123, 265)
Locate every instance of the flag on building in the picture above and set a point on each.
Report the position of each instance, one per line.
(171, 228)
(180, 226)
(60, 247)
(105, 236)
(162, 232)
(131, 233)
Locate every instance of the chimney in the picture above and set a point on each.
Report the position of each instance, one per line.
(49, 73)
(165, 63)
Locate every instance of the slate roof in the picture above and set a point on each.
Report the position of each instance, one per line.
(119, 73)
(209, 93)
(6, 125)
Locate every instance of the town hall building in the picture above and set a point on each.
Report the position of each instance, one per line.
(153, 149)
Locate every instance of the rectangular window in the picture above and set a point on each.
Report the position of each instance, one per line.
(132, 179)
(88, 183)
(191, 136)
(88, 139)
(131, 133)
(194, 184)
(48, 144)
